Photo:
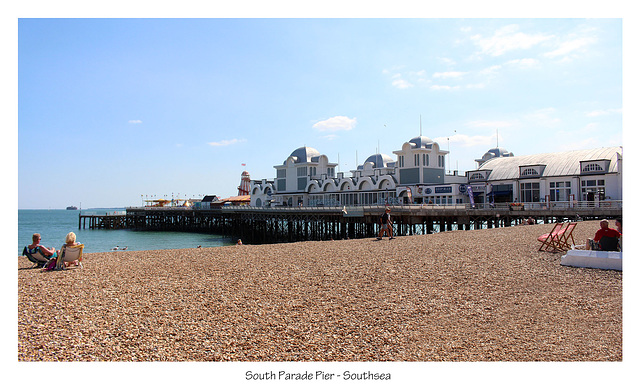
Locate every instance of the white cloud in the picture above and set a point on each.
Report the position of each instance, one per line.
(490, 70)
(447, 61)
(597, 113)
(524, 63)
(466, 140)
(592, 135)
(223, 143)
(506, 39)
(581, 144)
(401, 84)
(408, 79)
(399, 81)
(544, 117)
(570, 49)
(395, 68)
(135, 121)
(450, 74)
(330, 136)
(476, 85)
(444, 88)
(337, 123)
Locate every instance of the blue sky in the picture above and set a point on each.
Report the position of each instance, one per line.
(176, 106)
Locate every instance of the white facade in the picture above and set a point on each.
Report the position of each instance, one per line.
(307, 178)
(418, 175)
(582, 175)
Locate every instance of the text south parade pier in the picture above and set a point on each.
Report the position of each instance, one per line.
(288, 224)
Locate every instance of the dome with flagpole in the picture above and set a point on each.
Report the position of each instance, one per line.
(496, 152)
(379, 161)
(304, 154)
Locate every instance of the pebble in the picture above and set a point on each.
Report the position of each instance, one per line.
(480, 295)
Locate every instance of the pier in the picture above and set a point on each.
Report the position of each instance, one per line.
(289, 224)
(102, 221)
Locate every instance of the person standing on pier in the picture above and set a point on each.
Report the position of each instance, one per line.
(386, 224)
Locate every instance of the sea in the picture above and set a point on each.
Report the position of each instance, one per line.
(54, 225)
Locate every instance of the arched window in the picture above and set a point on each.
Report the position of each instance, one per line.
(592, 167)
(529, 172)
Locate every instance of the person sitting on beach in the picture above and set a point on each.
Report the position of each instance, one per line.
(386, 225)
(619, 228)
(49, 253)
(70, 240)
(604, 232)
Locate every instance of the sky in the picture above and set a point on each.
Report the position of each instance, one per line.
(146, 108)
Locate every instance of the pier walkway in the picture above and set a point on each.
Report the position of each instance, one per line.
(288, 224)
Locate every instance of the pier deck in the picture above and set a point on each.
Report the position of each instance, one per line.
(287, 224)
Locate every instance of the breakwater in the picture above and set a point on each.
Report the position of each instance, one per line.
(289, 224)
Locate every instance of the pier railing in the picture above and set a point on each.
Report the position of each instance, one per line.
(288, 224)
(528, 206)
(578, 206)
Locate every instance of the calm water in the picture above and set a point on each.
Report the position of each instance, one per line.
(54, 225)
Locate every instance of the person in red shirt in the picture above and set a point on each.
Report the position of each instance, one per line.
(604, 231)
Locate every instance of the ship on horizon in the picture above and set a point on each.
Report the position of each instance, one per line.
(72, 208)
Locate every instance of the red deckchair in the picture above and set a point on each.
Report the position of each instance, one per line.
(566, 235)
(552, 239)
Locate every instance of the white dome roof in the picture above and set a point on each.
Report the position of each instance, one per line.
(380, 160)
(304, 154)
(421, 142)
(498, 152)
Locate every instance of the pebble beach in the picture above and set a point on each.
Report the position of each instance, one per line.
(480, 295)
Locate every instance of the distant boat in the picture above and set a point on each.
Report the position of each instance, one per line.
(72, 208)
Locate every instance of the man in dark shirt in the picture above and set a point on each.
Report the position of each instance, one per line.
(604, 231)
(386, 226)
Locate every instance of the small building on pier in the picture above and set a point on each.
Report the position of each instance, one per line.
(569, 176)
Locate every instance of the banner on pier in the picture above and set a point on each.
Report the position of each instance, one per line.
(470, 192)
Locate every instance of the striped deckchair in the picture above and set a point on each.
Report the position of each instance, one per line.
(68, 254)
(36, 256)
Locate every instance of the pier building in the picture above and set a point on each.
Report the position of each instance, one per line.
(593, 175)
(418, 176)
